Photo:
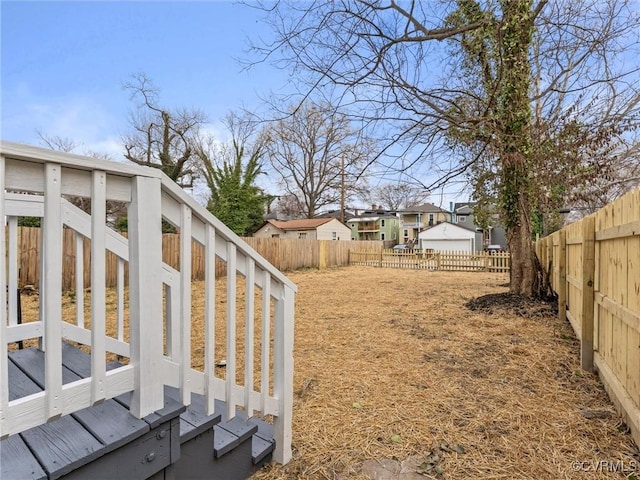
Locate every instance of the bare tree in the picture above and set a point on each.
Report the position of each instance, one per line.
(115, 210)
(288, 207)
(316, 155)
(160, 137)
(459, 85)
(395, 196)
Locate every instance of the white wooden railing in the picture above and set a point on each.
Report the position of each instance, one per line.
(152, 328)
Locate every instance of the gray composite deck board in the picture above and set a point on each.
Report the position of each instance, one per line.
(223, 441)
(106, 437)
(71, 442)
(31, 362)
(265, 430)
(195, 420)
(17, 461)
(171, 409)
(20, 385)
(112, 424)
(239, 427)
(62, 446)
(260, 448)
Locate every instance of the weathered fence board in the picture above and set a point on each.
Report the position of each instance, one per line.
(286, 254)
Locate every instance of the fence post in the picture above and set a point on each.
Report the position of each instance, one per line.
(562, 274)
(588, 274)
(322, 254)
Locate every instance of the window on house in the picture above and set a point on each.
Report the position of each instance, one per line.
(275, 235)
(382, 236)
(302, 235)
(462, 218)
(382, 223)
(406, 233)
(353, 225)
(334, 235)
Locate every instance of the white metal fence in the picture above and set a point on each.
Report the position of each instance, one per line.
(151, 327)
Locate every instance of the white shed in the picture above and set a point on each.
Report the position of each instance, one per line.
(448, 237)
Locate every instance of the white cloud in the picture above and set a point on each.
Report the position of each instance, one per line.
(84, 120)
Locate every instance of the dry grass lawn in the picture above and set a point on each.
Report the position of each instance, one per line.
(390, 363)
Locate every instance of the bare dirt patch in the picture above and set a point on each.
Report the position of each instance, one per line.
(390, 364)
(506, 302)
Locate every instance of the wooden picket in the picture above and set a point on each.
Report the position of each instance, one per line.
(430, 260)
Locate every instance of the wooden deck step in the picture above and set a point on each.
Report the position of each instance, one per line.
(229, 449)
(106, 441)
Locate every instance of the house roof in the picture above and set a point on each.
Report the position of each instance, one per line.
(425, 208)
(334, 214)
(465, 208)
(446, 231)
(303, 224)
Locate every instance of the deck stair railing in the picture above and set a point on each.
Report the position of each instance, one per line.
(150, 329)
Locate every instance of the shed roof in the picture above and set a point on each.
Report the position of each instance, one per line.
(446, 231)
(424, 208)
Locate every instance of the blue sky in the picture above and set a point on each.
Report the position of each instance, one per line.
(64, 63)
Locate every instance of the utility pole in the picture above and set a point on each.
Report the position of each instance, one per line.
(342, 190)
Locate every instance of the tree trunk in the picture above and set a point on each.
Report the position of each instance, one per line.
(524, 272)
(515, 136)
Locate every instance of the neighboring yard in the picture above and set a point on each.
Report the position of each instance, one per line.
(390, 363)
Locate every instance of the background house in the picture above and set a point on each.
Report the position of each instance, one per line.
(311, 228)
(463, 216)
(337, 214)
(416, 219)
(448, 237)
(375, 224)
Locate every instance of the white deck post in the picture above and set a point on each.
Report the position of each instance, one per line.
(185, 304)
(51, 272)
(283, 375)
(210, 316)
(4, 369)
(98, 284)
(145, 287)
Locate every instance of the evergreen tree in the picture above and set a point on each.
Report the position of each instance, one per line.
(231, 172)
(235, 199)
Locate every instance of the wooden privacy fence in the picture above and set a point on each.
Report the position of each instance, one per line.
(430, 260)
(595, 270)
(285, 254)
